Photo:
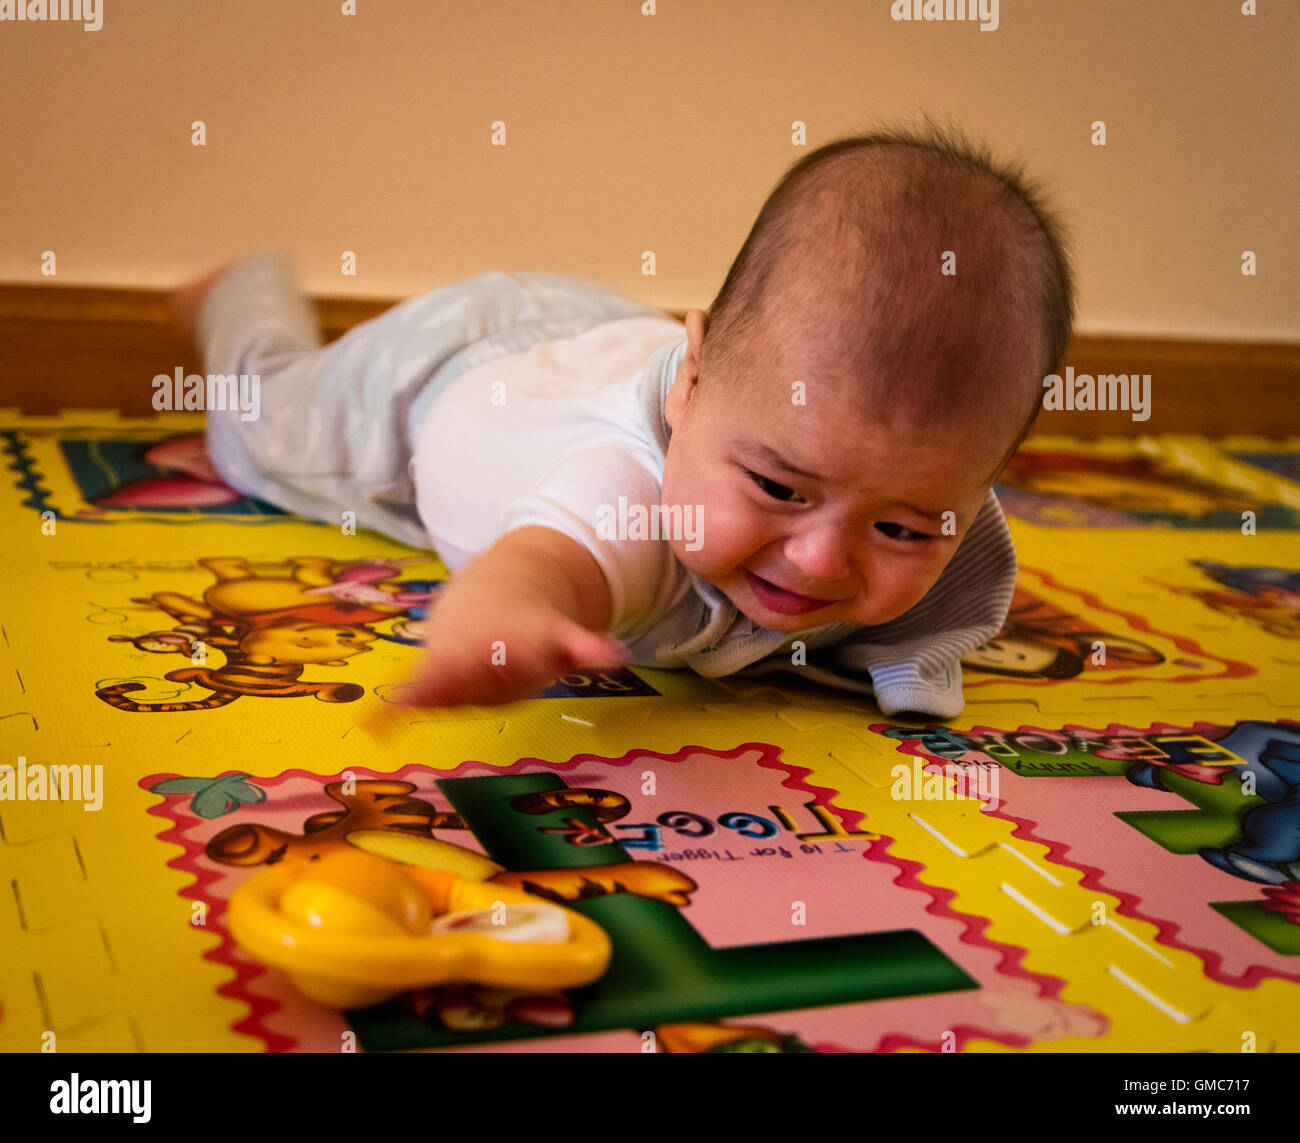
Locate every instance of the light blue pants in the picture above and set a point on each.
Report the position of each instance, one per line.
(336, 423)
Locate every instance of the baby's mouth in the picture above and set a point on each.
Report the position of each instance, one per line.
(777, 599)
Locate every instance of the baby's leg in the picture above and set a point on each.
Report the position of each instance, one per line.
(333, 433)
(313, 444)
(250, 311)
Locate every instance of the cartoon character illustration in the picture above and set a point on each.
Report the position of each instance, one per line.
(1039, 641)
(377, 806)
(312, 591)
(385, 819)
(269, 627)
(1269, 849)
(1269, 596)
(1136, 485)
(370, 805)
(413, 630)
(265, 663)
(189, 480)
(482, 1008)
(1250, 579)
(213, 797)
(368, 582)
(183, 639)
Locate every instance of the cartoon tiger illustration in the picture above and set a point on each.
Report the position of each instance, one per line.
(268, 627)
(264, 663)
(377, 806)
(372, 805)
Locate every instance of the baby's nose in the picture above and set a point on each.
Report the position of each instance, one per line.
(820, 554)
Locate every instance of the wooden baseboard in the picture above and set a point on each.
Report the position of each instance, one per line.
(67, 347)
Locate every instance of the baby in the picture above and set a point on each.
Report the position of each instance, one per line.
(799, 479)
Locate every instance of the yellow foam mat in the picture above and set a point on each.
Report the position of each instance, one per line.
(1141, 703)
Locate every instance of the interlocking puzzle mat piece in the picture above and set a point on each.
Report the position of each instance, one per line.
(1261, 596)
(1089, 626)
(88, 914)
(1220, 881)
(1170, 481)
(762, 896)
(264, 650)
(98, 467)
(96, 475)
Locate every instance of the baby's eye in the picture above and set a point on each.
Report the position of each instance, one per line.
(898, 532)
(774, 490)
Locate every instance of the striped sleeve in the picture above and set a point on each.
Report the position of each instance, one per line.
(914, 661)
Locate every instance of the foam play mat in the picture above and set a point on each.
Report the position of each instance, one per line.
(205, 849)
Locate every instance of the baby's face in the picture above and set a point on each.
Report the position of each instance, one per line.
(814, 513)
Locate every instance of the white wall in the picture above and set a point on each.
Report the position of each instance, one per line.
(630, 132)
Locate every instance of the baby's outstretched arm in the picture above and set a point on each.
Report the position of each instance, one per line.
(532, 607)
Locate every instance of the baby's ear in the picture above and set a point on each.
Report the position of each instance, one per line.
(681, 394)
(675, 403)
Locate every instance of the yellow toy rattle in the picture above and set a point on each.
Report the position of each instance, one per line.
(352, 930)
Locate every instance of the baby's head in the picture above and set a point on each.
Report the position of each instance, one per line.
(873, 360)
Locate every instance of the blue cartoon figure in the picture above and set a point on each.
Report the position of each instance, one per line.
(1249, 827)
(410, 632)
(1269, 849)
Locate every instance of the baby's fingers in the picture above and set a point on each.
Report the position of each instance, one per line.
(509, 669)
(578, 647)
(432, 688)
(446, 678)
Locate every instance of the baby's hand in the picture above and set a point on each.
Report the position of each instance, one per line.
(484, 648)
(502, 654)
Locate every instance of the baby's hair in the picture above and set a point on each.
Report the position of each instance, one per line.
(869, 201)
